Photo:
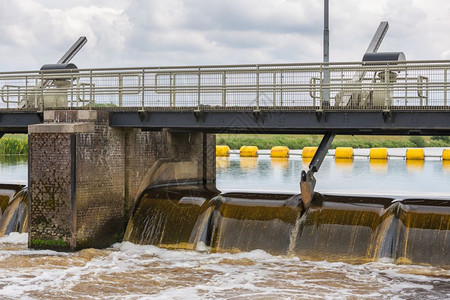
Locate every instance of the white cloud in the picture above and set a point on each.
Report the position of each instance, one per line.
(34, 34)
(185, 32)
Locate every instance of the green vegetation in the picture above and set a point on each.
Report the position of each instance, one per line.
(55, 244)
(18, 143)
(14, 144)
(267, 141)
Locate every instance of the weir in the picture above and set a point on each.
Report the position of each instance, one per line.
(354, 229)
(13, 209)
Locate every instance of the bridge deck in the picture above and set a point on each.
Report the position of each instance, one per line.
(391, 98)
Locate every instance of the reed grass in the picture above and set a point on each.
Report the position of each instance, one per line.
(14, 144)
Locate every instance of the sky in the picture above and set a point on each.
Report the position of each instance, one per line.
(146, 33)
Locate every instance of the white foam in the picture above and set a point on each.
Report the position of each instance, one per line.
(15, 238)
(195, 275)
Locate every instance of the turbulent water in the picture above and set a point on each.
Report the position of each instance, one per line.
(131, 271)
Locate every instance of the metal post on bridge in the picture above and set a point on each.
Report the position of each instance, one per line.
(326, 56)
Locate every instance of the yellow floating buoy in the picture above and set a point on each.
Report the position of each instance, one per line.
(222, 150)
(446, 154)
(415, 154)
(248, 151)
(308, 152)
(378, 153)
(344, 152)
(279, 151)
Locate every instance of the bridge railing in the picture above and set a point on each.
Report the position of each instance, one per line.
(355, 86)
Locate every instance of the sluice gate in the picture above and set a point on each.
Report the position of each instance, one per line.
(13, 209)
(353, 229)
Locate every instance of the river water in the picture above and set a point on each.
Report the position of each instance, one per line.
(129, 271)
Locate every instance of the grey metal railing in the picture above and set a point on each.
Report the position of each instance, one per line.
(388, 85)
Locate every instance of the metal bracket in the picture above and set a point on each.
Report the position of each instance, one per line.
(307, 179)
(199, 115)
(258, 115)
(143, 116)
(319, 115)
(41, 117)
(388, 113)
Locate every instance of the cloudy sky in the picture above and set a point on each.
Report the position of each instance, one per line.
(125, 33)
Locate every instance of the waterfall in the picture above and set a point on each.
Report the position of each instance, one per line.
(14, 209)
(353, 229)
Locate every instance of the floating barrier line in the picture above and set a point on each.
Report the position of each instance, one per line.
(332, 154)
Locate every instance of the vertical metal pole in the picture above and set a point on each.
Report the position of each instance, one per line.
(91, 93)
(174, 94)
(198, 100)
(26, 91)
(41, 104)
(224, 89)
(406, 86)
(257, 87)
(171, 89)
(281, 89)
(143, 89)
(445, 86)
(71, 91)
(274, 100)
(386, 89)
(120, 89)
(326, 55)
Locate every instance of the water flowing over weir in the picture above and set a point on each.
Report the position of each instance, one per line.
(13, 209)
(336, 227)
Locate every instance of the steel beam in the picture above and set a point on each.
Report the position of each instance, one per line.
(402, 122)
(18, 122)
(73, 50)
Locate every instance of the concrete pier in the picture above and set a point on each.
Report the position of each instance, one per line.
(84, 176)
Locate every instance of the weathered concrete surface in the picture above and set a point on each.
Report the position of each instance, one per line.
(62, 128)
(85, 176)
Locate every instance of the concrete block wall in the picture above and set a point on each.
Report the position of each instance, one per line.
(84, 176)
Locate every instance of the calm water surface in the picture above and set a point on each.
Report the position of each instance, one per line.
(128, 271)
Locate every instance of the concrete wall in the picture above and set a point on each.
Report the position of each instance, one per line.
(84, 176)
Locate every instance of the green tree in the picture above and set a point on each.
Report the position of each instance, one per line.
(418, 141)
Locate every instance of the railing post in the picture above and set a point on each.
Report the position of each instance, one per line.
(445, 86)
(281, 88)
(91, 92)
(257, 87)
(321, 86)
(274, 100)
(406, 85)
(170, 90)
(35, 93)
(224, 89)
(41, 104)
(71, 91)
(120, 89)
(7, 97)
(26, 92)
(174, 88)
(198, 92)
(143, 89)
(386, 82)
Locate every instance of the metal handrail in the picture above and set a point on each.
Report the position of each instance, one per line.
(266, 85)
